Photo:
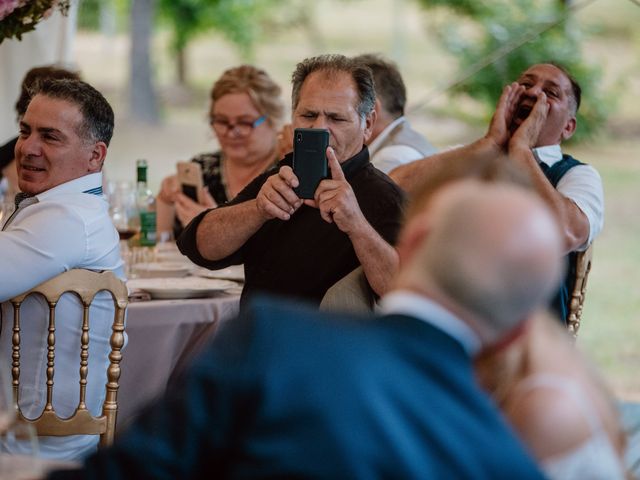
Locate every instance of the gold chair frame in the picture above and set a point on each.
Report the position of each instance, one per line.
(85, 284)
(583, 267)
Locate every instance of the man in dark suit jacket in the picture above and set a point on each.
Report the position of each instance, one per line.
(290, 392)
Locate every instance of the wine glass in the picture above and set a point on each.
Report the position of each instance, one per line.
(16, 436)
(8, 412)
(124, 214)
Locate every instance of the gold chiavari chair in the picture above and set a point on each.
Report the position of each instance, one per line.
(85, 284)
(583, 267)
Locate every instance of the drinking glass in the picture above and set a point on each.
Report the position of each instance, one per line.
(124, 214)
(16, 436)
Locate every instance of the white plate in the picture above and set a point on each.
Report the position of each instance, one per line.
(234, 272)
(174, 257)
(188, 287)
(161, 269)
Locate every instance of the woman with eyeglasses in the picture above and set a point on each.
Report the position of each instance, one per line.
(246, 112)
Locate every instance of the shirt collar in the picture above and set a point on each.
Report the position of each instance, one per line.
(549, 154)
(355, 163)
(409, 303)
(375, 145)
(77, 185)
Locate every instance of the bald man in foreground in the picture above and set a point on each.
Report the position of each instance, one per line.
(286, 391)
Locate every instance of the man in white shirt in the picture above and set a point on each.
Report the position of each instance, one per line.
(393, 141)
(61, 222)
(534, 116)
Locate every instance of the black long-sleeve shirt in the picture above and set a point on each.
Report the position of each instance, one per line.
(304, 256)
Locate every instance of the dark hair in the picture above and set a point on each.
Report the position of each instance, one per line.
(390, 88)
(576, 90)
(332, 64)
(31, 79)
(97, 124)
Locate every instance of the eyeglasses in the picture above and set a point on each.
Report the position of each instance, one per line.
(242, 127)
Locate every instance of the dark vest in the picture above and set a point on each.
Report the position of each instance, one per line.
(562, 300)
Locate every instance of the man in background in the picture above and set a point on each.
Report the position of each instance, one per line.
(393, 141)
(8, 174)
(534, 116)
(61, 222)
(299, 249)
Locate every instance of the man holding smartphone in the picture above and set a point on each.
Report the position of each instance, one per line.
(297, 247)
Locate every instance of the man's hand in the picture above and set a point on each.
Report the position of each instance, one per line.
(187, 209)
(277, 198)
(501, 121)
(526, 135)
(335, 199)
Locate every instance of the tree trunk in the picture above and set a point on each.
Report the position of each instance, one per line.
(143, 99)
(181, 66)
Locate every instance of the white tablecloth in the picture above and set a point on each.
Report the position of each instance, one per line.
(163, 336)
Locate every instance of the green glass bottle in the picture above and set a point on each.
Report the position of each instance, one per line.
(146, 203)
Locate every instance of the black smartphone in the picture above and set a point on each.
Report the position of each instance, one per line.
(310, 159)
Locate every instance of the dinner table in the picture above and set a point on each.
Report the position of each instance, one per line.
(169, 320)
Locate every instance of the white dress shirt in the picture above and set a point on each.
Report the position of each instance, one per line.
(388, 157)
(55, 231)
(582, 185)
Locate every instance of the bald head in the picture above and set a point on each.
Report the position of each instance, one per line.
(489, 252)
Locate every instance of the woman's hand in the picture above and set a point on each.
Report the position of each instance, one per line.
(169, 188)
(187, 209)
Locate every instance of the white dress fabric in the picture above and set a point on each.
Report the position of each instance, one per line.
(594, 459)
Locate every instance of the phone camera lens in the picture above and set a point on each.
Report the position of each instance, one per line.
(299, 137)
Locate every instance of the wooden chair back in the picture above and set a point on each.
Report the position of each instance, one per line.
(583, 267)
(85, 284)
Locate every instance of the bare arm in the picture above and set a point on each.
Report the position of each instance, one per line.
(411, 175)
(337, 204)
(379, 259)
(494, 143)
(224, 230)
(548, 421)
(574, 224)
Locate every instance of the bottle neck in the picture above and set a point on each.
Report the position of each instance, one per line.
(141, 169)
(142, 176)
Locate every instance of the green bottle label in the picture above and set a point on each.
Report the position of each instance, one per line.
(147, 229)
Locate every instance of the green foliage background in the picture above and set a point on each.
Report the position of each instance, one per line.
(479, 31)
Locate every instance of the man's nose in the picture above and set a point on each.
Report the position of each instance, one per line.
(28, 145)
(320, 122)
(533, 90)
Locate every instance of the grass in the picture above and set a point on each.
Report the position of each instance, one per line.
(610, 334)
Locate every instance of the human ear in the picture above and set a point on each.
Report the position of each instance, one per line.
(569, 128)
(97, 156)
(370, 121)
